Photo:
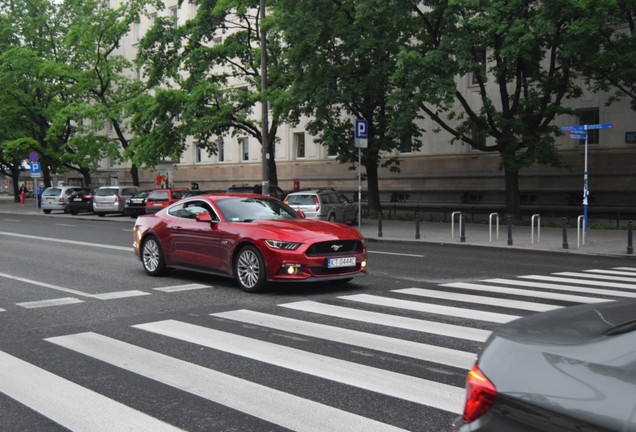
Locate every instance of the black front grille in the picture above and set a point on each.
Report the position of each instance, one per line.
(330, 248)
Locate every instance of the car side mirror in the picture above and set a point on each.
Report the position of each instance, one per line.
(204, 217)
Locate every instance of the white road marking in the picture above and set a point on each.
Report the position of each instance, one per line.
(51, 302)
(577, 289)
(104, 296)
(396, 321)
(272, 405)
(490, 301)
(68, 404)
(32, 237)
(432, 353)
(580, 281)
(177, 288)
(410, 388)
(525, 292)
(396, 253)
(431, 308)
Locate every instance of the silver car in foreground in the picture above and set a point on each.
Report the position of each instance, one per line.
(569, 369)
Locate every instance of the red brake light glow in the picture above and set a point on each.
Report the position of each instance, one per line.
(480, 395)
(317, 203)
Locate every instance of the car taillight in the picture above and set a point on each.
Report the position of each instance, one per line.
(117, 199)
(480, 395)
(317, 203)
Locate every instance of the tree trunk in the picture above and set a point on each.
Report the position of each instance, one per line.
(512, 193)
(373, 190)
(134, 173)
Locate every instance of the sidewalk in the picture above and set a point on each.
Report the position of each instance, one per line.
(597, 242)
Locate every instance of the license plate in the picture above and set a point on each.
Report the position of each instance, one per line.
(77, 199)
(341, 262)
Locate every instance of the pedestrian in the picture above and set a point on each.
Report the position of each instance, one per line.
(23, 192)
(40, 190)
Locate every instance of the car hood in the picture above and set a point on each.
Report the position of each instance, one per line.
(573, 325)
(304, 229)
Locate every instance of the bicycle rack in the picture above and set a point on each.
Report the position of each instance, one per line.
(490, 217)
(453, 223)
(538, 219)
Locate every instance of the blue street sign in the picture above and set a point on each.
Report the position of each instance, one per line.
(577, 135)
(587, 127)
(35, 168)
(362, 129)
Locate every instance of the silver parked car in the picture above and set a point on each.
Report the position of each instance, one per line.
(112, 199)
(56, 198)
(324, 204)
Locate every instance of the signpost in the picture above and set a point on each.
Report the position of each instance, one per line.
(579, 132)
(361, 132)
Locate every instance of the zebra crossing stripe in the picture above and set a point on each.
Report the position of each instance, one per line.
(580, 281)
(490, 301)
(613, 272)
(50, 302)
(68, 404)
(272, 405)
(525, 293)
(432, 353)
(387, 320)
(410, 388)
(596, 276)
(431, 308)
(578, 289)
(628, 269)
(179, 288)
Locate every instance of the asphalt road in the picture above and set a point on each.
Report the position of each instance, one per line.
(90, 342)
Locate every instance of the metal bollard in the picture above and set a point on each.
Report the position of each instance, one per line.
(380, 224)
(417, 226)
(509, 231)
(630, 247)
(565, 234)
(462, 229)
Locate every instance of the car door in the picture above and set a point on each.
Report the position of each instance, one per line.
(350, 209)
(197, 245)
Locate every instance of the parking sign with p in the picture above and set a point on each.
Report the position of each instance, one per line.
(361, 133)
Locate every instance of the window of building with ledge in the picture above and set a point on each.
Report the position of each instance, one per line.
(299, 145)
(244, 148)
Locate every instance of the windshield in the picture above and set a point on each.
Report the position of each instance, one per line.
(249, 209)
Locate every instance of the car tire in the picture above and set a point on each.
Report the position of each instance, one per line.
(332, 218)
(152, 256)
(249, 269)
(101, 214)
(47, 211)
(73, 212)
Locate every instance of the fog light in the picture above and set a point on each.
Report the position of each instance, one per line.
(363, 264)
(291, 269)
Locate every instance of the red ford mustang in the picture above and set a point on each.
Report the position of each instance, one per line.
(253, 238)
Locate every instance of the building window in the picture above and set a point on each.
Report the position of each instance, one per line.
(406, 144)
(137, 30)
(587, 117)
(197, 152)
(220, 149)
(174, 15)
(244, 146)
(480, 69)
(299, 144)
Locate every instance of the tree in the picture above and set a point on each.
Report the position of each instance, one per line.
(521, 58)
(342, 56)
(206, 80)
(612, 66)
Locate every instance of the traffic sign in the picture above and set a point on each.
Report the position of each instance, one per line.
(578, 135)
(587, 127)
(362, 129)
(34, 156)
(36, 169)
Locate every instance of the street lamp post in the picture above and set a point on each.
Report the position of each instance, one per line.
(264, 112)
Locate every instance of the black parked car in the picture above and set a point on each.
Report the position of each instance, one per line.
(136, 204)
(80, 201)
(570, 369)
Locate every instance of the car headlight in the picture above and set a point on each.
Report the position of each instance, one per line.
(277, 244)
